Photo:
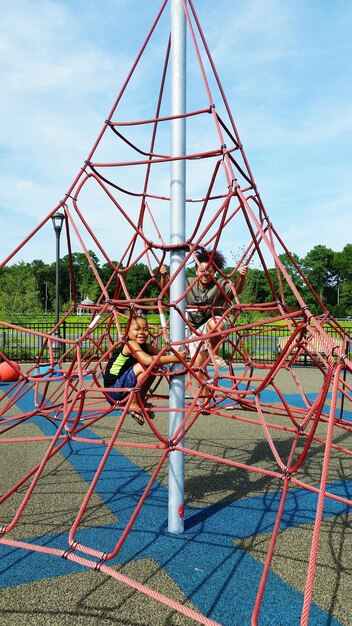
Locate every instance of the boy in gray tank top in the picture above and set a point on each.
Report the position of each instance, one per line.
(206, 293)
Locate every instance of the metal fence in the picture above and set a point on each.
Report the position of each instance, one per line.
(262, 344)
(23, 346)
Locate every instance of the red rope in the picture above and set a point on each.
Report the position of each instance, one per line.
(71, 395)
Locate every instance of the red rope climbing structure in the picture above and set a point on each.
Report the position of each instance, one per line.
(125, 176)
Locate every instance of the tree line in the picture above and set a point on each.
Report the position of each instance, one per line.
(29, 288)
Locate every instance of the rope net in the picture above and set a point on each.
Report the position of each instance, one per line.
(125, 178)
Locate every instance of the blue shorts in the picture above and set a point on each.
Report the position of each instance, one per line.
(128, 379)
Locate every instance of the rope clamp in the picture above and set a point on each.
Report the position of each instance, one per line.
(100, 562)
(72, 548)
(68, 434)
(285, 474)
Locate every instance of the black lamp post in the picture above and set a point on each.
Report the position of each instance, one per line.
(58, 219)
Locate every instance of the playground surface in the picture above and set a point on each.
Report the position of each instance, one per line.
(214, 567)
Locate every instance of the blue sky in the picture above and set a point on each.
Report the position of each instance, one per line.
(286, 69)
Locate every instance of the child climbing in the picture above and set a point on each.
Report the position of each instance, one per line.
(127, 366)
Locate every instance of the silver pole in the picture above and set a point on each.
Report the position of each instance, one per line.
(177, 235)
(57, 282)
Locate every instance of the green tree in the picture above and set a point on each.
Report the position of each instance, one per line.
(256, 289)
(19, 293)
(45, 281)
(136, 278)
(85, 283)
(343, 264)
(320, 269)
(290, 263)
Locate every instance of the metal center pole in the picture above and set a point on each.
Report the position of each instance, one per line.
(177, 236)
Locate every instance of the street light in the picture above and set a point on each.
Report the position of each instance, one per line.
(57, 219)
